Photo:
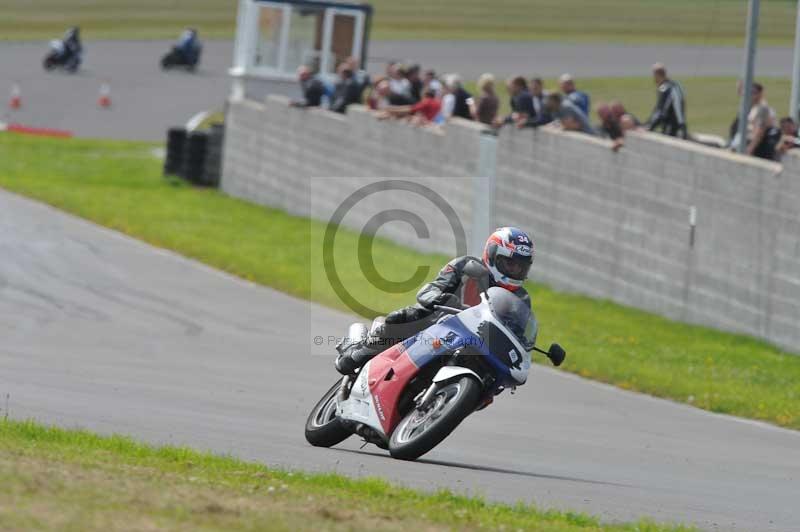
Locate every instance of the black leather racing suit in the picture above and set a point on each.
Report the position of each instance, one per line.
(670, 111)
(404, 323)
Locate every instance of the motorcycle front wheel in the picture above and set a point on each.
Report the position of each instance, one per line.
(323, 427)
(423, 429)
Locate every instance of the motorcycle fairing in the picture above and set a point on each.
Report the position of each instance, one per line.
(391, 371)
(375, 395)
(514, 362)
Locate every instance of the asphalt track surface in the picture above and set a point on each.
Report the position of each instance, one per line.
(107, 333)
(146, 101)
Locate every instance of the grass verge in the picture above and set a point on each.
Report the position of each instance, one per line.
(118, 184)
(700, 22)
(54, 479)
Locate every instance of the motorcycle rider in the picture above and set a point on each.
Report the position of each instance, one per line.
(189, 46)
(670, 110)
(73, 47)
(507, 256)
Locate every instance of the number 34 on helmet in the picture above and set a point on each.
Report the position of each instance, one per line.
(508, 255)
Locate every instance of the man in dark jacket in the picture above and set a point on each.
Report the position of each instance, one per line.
(460, 98)
(348, 90)
(670, 110)
(507, 256)
(522, 110)
(312, 88)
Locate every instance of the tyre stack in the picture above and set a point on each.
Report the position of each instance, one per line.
(213, 160)
(176, 139)
(194, 157)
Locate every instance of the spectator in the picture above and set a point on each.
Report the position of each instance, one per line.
(427, 109)
(789, 137)
(379, 98)
(571, 117)
(670, 110)
(567, 85)
(417, 85)
(312, 88)
(361, 76)
(609, 126)
(619, 112)
(348, 90)
(762, 135)
(456, 101)
(522, 111)
(399, 86)
(423, 112)
(488, 104)
(628, 123)
(432, 82)
(538, 95)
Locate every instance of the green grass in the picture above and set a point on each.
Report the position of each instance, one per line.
(712, 102)
(116, 19)
(118, 184)
(55, 479)
(675, 21)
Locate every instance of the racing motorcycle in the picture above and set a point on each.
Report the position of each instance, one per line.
(411, 396)
(61, 56)
(178, 58)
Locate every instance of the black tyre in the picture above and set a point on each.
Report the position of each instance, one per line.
(323, 428)
(49, 63)
(421, 431)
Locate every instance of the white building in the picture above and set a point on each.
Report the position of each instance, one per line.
(274, 38)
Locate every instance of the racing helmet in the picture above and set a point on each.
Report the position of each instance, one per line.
(508, 255)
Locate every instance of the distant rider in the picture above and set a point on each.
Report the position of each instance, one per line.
(508, 256)
(189, 46)
(73, 47)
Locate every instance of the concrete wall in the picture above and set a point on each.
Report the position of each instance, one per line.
(616, 225)
(307, 161)
(612, 225)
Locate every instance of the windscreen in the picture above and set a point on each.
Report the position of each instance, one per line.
(514, 314)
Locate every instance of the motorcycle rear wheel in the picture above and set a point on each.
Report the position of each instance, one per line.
(422, 430)
(323, 427)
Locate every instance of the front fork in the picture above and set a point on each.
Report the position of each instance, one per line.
(344, 389)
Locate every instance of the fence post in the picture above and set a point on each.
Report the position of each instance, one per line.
(483, 192)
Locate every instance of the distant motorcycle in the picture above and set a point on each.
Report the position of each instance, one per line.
(61, 56)
(179, 58)
(409, 398)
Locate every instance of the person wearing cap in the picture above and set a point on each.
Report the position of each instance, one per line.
(669, 113)
(567, 85)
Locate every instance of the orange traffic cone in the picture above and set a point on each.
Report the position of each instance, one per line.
(104, 100)
(16, 97)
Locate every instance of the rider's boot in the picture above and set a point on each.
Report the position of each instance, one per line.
(348, 362)
(357, 348)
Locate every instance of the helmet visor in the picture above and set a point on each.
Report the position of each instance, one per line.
(515, 267)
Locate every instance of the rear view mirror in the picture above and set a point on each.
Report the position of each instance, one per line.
(556, 354)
